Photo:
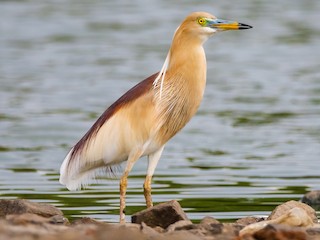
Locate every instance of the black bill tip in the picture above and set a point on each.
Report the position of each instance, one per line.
(244, 26)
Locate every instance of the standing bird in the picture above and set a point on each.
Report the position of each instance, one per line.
(142, 121)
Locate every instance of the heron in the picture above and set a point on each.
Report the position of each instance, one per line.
(142, 120)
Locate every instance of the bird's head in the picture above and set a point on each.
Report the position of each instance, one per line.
(202, 25)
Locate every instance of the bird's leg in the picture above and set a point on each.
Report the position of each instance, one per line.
(133, 157)
(152, 164)
(147, 191)
(123, 189)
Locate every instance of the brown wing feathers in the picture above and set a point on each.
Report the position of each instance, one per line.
(134, 93)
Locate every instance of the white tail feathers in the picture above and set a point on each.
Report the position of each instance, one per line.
(76, 172)
(71, 175)
(65, 175)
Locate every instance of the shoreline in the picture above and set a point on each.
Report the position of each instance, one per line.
(22, 219)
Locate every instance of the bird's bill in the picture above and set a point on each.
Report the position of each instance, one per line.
(228, 25)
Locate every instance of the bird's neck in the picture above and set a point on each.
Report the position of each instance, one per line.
(183, 88)
(188, 58)
(188, 61)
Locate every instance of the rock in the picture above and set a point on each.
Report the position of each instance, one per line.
(162, 215)
(314, 232)
(295, 217)
(226, 231)
(149, 231)
(280, 232)
(180, 225)
(214, 228)
(122, 232)
(209, 220)
(87, 220)
(19, 206)
(249, 220)
(162, 222)
(22, 228)
(133, 226)
(181, 235)
(312, 199)
(83, 232)
(30, 218)
(159, 229)
(209, 226)
(101, 232)
(58, 219)
(285, 207)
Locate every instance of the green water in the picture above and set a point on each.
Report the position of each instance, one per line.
(254, 143)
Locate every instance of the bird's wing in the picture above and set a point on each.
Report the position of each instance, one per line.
(87, 157)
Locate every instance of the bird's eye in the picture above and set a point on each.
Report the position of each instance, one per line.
(202, 21)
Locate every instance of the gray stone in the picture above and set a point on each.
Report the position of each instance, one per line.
(20, 206)
(162, 215)
(312, 199)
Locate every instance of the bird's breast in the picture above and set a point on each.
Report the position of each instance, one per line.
(180, 100)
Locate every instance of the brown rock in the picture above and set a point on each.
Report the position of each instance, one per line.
(285, 207)
(219, 231)
(120, 233)
(21, 228)
(231, 230)
(162, 215)
(180, 225)
(87, 220)
(30, 218)
(83, 232)
(280, 232)
(209, 220)
(208, 226)
(19, 206)
(181, 235)
(149, 231)
(313, 233)
(214, 228)
(249, 220)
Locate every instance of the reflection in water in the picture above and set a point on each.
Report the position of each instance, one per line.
(254, 143)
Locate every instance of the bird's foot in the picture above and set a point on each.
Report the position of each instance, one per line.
(122, 218)
(149, 204)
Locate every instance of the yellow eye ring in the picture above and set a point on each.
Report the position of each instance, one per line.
(202, 21)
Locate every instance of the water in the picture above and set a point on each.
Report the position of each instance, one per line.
(254, 143)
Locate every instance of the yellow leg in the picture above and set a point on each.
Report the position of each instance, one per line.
(124, 183)
(147, 191)
(123, 190)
